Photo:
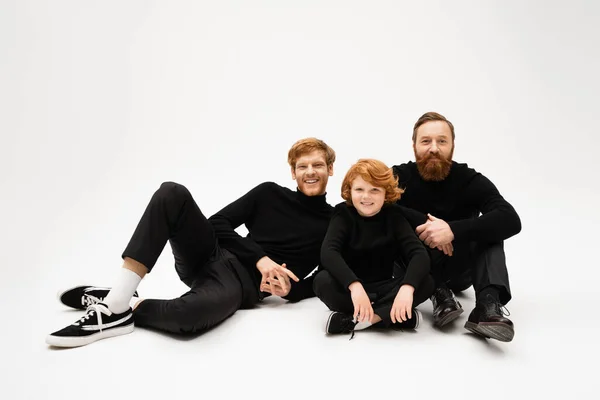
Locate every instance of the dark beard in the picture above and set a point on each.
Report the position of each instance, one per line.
(434, 167)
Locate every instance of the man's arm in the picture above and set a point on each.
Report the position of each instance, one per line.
(232, 216)
(331, 251)
(498, 221)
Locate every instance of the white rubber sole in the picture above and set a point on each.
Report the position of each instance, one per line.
(419, 318)
(327, 323)
(61, 341)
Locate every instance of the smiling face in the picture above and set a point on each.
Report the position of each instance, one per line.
(366, 198)
(312, 173)
(434, 147)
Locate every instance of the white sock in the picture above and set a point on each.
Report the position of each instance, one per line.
(118, 298)
(134, 301)
(362, 325)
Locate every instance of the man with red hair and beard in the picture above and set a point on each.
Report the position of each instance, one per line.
(463, 219)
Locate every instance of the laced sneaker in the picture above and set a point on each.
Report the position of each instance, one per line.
(488, 320)
(98, 323)
(410, 324)
(81, 297)
(445, 307)
(338, 322)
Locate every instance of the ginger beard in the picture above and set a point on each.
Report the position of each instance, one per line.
(434, 167)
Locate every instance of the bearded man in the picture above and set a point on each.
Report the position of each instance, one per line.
(463, 219)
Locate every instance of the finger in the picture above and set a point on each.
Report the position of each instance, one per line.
(393, 315)
(449, 249)
(409, 313)
(284, 271)
(398, 314)
(420, 229)
(274, 283)
(431, 217)
(403, 313)
(356, 310)
(362, 314)
(292, 275)
(283, 283)
(281, 280)
(444, 249)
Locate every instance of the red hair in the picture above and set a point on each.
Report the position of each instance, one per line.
(377, 174)
(308, 145)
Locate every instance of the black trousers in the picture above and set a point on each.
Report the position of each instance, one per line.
(381, 294)
(219, 284)
(477, 264)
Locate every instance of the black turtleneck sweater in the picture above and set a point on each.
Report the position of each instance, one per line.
(468, 201)
(285, 225)
(364, 249)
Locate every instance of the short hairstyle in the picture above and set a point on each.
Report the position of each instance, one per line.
(377, 174)
(308, 145)
(428, 117)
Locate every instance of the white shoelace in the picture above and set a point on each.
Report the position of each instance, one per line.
(87, 300)
(94, 308)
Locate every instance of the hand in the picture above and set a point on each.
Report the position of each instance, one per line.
(435, 232)
(272, 272)
(276, 288)
(402, 307)
(363, 311)
(448, 249)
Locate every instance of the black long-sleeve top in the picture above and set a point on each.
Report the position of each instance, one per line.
(285, 225)
(364, 249)
(468, 201)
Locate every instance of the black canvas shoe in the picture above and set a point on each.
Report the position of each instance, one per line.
(410, 324)
(487, 319)
(98, 323)
(338, 322)
(81, 297)
(445, 307)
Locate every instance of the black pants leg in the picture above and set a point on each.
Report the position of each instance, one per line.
(381, 294)
(172, 215)
(215, 294)
(479, 264)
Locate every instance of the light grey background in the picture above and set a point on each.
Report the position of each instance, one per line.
(100, 102)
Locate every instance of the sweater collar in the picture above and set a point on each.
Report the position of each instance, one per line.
(311, 201)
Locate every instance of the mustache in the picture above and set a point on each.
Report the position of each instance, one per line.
(431, 157)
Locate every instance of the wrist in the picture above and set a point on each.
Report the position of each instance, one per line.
(261, 261)
(356, 285)
(408, 288)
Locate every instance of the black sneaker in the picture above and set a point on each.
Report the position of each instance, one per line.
(340, 323)
(487, 319)
(445, 306)
(81, 297)
(410, 324)
(98, 323)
